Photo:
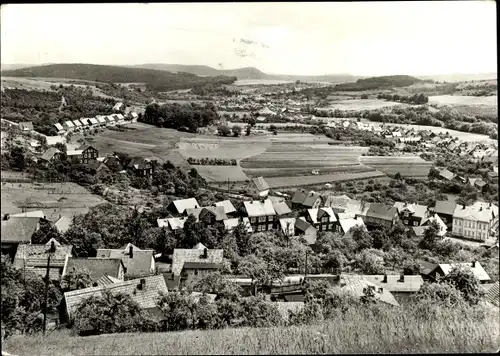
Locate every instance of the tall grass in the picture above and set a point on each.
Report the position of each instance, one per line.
(361, 330)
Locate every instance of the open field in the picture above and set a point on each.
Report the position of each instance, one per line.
(398, 331)
(273, 172)
(297, 181)
(464, 100)
(360, 104)
(53, 199)
(407, 166)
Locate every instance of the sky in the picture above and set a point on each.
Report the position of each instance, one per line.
(359, 38)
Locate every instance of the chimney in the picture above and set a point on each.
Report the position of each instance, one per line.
(52, 246)
(490, 205)
(481, 209)
(385, 279)
(6, 217)
(142, 284)
(463, 206)
(131, 251)
(59, 216)
(473, 264)
(402, 277)
(381, 290)
(205, 253)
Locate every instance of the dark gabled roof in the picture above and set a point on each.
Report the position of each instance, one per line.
(94, 164)
(36, 255)
(218, 211)
(426, 267)
(85, 147)
(18, 230)
(445, 207)
(97, 267)
(302, 225)
(113, 163)
(202, 265)
(140, 263)
(49, 154)
(310, 199)
(299, 196)
(381, 211)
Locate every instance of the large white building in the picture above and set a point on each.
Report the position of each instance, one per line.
(476, 222)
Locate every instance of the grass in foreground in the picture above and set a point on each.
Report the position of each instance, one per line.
(387, 331)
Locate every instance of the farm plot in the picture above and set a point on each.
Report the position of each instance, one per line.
(65, 199)
(286, 156)
(360, 104)
(463, 100)
(407, 166)
(273, 172)
(296, 181)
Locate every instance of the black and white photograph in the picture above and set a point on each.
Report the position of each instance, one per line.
(242, 178)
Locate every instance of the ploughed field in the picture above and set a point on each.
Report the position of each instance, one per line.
(407, 166)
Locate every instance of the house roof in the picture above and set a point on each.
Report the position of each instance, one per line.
(182, 204)
(260, 183)
(202, 265)
(349, 223)
(257, 208)
(58, 126)
(354, 284)
(445, 207)
(47, 156)
(492, 295)
(417, 210)
(299, 196)
(478, 270)
(181, 256)
(77, 123)
(446, 174)
(101, 119)
(281, 207)
(302, 225)
(429, 219)
(314, 214)
(393, 284)
(173, 223)
(84, 121)
(29, 214)
(74, 153)
(93, 120)
(97, 267)
(288, 226)
(218, 211)
(426, 267)
(86, 147)
(37, 255)
(18, 230)
(105, 280)
(69, 123)
(140, 262)
(473, 213)
(381, 211)
(230, 224)
(227, 205)
(146, 297)
(306, 198)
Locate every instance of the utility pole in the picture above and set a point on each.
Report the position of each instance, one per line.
(46, 296)
(228, 185)
(305, 267)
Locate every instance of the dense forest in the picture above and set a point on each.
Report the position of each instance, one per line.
(379, 83)
(157, 80)
(187, 117)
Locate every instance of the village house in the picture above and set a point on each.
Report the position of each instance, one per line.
(287, 226)
(411, 214)
(85, 122)
(118, 106)
(305, 230)
(77, 124)
(34, 258)
(133, 116)
(281, 208)
(63, 224)
(113, 163)
(26, 126)
(446, 175)
(323, 219)
(97, 267)
(444, 269)
(260, 213)
(51, 155)
(346, 224)
(398, 285)
(69, 125)
(209, 215)
(428, 219)
(93, 121)
(144, 291)
(98, 166)
(17, 231)
(229, 208)
(381, 215)
(476, 222)
(306, 199)
(137, 262)
(89, 153)
(231, 224)
(75, 156)
(141, 167)
(445, 210)
(59, 128)
(358, 286)
(195, 263)
(176, 225)
(180, 206)
(101, 120)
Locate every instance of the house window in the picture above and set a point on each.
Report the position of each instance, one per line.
(253, 220)
(195, 272)
(324, 219)
(330, 226)
(260, 228)
(270, 218)
(415, 223)
(269, 226)
(444, 220)
(262, 219)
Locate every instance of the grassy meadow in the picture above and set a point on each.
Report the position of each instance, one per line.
(383, 330)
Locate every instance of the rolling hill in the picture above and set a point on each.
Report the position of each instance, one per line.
(159, 80)
(246, 73)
